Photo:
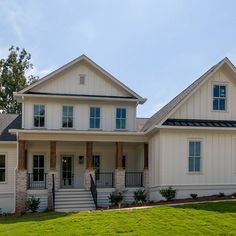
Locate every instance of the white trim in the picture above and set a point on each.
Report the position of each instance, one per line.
(215, 83)
(73, 117)
(45, 116)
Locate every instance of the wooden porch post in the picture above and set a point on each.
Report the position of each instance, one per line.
(53, 159)
(145, 155)
(119, 155)
(89, 155)
(22, 155)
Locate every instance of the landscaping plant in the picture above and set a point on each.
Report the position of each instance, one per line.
(116, 198)
(140, 196)
(168, 193)
(193, 195)
(32, 203)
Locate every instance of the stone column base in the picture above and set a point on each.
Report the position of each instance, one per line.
(50, 187)
(120, 180)
(146, 180)
(87, 178)
(21, 191)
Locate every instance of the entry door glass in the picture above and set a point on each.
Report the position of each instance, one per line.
(67, 171)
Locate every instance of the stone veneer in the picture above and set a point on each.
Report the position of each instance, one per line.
(21, 191)
(120, 179)
(87, 179)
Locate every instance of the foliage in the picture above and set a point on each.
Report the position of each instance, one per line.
(234, 194)
(13, 78)
(168, 193)
(115, 198)
(193, 195)
(140, 196)
(191, 219)
(32, 203)
(221, 194)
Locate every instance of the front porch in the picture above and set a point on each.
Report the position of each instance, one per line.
(70, 165)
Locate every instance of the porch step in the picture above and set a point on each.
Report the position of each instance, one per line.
(69, 200)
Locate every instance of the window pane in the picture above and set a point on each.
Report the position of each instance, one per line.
(2, 161)
(197, 163)
(91, 122)
(70, 112)
(222, 104)
(215, 104)
(197, 149)
(97, 112)
(123, 123)
(41, 161)
(191, 148)
(92, 112)
(35, 161)
(117, 123)
(2, 175)
(41, 124)
(36, 110)
(191, 164)
(222, 91)
(70, 122)
(97, 125)
(118, 112)
(216, 90)
(123, 113)
(64, 111)
(64, 122)
(36, 121)
(42, 110)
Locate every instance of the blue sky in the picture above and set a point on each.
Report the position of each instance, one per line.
(155, 47)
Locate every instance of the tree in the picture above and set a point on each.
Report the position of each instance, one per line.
(13, 78)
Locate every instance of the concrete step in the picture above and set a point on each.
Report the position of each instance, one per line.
(73, 193)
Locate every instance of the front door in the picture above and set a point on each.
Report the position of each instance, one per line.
(67, 171)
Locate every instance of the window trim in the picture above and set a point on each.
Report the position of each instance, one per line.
(73, 116)
(201, 156)
(6, 168)
(45, 115)
(120, 107)
(100, 119)
(44, 165)
(226, 97)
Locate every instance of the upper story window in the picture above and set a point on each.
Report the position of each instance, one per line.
(2, 168)
(67, 116)
(94, 118)
(194, 156)
(39, 115)
(38, 168)
(120, 118)
(219, 97)
(81, 79)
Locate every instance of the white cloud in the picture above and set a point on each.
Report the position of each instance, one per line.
(39, 72)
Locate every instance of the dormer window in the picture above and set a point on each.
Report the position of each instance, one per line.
(81, 79)
(219, 97)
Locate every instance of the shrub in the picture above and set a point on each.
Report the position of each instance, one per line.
(193, 195)
(116, 198)
(168, 193)
(32, 203)
(221, 194)
(140, 196)
(234, 194)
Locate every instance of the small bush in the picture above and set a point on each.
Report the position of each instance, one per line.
(168, 193)
(32, 203)
(221, 194)
(193, 195)
(140, 196)
(234, 194)
(115, 198)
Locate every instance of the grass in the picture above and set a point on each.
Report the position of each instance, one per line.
(194, 219)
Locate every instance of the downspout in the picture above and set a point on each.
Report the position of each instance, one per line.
(17, 153)
(23, 112)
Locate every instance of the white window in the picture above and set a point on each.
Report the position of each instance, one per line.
(194, 156)
(94, 117)
(67, 116)
(120, 118)
(2, 168)
(219, 97)
(38, 167)
(39, 115)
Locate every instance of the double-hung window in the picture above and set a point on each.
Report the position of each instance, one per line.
(2, 168)
(120, 118)
(194, 156)
(38, 167)
(94, 118)
(67, 116)
(39, 115)
(219, 97)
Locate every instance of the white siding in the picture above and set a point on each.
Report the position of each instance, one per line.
(199, 105)
(81, 113)
(67, 82)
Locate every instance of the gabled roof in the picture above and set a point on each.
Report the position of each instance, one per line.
(9, 121)
(140, 99)
(165, 112)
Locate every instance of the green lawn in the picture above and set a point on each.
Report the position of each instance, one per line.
(194, 219)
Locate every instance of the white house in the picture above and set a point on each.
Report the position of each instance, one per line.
(78, 139)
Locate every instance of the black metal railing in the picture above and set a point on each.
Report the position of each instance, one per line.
(37, 181)
(104, 179)
(93, 190)
(134, 179)
(53, 191)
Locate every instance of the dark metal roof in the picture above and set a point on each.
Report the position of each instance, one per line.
(9, 121)
(201, 123)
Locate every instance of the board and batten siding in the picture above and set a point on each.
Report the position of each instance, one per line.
(7, 187)
(218, 158)
(68, 82)
(199, 105)
(81, 113)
